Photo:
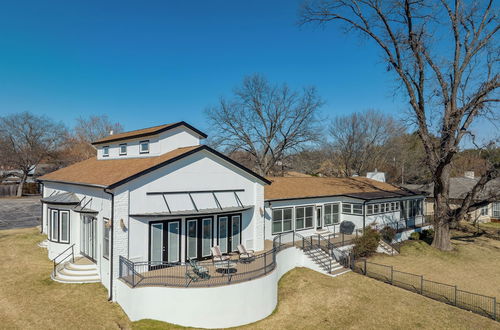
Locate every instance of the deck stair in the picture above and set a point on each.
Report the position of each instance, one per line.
(323, 254)
(326, 263)
(82, 270)
(386, 248)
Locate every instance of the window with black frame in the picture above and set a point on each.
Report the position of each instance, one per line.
(304, 216)
(331, 214)
(282, 220)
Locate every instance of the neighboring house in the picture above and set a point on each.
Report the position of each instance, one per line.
(459, 187)
(147, 211)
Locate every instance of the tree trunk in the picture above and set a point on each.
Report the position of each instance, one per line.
(442, 240)
(21, 185)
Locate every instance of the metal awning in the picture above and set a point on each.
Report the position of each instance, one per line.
(84, 210)
(186, 213)
(67, 198)
(197, 210)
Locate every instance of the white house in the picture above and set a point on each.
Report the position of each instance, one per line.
(143, 215)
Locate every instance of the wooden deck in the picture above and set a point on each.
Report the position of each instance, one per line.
(213, 274)
(217, 274)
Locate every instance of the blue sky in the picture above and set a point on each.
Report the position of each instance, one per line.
(145, 63)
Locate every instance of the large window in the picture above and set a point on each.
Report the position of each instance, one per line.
(105, 238)
(59, 226)
(282, 220)
(304, 217)
(484, 210)
(411, 208)
(331, 214)
(352, 208)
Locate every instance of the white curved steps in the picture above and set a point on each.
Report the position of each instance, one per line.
(77, 272)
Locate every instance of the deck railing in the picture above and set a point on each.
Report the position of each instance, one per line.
(207, 273)
(62, 257)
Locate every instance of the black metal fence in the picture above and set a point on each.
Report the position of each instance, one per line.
(449, 294)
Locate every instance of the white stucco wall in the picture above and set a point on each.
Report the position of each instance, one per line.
(201, 171)
(101, 202)
(216, 307)
(158, 144)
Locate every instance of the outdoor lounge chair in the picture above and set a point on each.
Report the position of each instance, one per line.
(217, 254)
(245, 255)
(197, 272)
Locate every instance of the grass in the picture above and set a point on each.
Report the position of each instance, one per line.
(473, 265)
(492, 225)
(29, 299)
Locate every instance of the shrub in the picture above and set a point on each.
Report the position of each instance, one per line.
(415, 236)
(366, 245)
(388, 233)
(427, 234)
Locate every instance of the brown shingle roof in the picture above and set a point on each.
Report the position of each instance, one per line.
(147, 132)
(112, 171)
(299, 187)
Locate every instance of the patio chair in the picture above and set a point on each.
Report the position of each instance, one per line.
(196, 273)
(245, 255)
(200, 271)
(217, 254)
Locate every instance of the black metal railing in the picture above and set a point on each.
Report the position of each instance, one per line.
(206, 273)
(311, 245)
(333, 251)
(62, 257)
(449, 294)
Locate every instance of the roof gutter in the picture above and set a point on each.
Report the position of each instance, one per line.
(110, 298)
(41, 218)
(73, 183)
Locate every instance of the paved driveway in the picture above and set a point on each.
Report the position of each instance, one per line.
(20, 212)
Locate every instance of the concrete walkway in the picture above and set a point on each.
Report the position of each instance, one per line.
(20, 212)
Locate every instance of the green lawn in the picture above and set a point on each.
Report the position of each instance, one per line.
(29, 299)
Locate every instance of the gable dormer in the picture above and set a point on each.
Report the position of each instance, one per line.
(148, 142)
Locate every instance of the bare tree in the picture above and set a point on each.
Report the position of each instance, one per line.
(444, 54)
(27, 140)
(359, 140)
(267, 121)
(78, 144)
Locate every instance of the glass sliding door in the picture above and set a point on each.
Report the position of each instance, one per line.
(192, 239)
(156, 243)
(164, 242)
(223, 233)
(173, 241)
(88, 242)
(235, 232)
(206, 236)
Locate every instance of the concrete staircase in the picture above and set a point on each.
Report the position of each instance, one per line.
(81, 271)
(383, 247)
(323, 261)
